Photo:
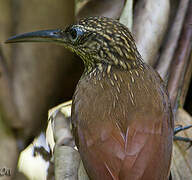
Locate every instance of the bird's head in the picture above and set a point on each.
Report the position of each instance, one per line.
(97, 40)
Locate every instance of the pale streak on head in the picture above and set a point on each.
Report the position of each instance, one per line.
(119, 51)
(136, 72)
(95, 73)
(99, 78)
(108, 69)
(115, 77)
(100, 67)
(118, 84)
(114, 104)
(123, 64)
(131, 97)
(118, 89)
(112, 83)
(120, 78)
(112, 57)
(132, 79)
(129, 88)
(116, 96)
(103, 74)
(131, 94)
(128, 65)
(101, 85)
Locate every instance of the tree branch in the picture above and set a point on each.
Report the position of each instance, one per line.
(172, 40)
(180, 59)
(7, 104)
(149, 27)
(127, 15)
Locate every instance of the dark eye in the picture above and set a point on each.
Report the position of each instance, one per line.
(76, 34)
(73, 33)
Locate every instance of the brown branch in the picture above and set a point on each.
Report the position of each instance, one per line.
(127, 15)
(180, 58)
(172, 40)
(149, 27)
(112, 8)
(7, 104)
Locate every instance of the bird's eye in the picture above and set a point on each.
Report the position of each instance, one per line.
(76, 34)
(73, 33)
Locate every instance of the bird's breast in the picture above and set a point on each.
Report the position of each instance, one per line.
(121, 98)
(112, 111)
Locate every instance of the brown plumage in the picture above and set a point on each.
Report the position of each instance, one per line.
(121, 115)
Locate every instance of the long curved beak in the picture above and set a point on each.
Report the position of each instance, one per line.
(56, 35)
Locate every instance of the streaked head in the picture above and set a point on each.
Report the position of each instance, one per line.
(94, 39)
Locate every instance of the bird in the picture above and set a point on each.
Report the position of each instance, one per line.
(121, 114)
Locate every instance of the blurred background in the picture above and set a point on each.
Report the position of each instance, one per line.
(36, 77)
